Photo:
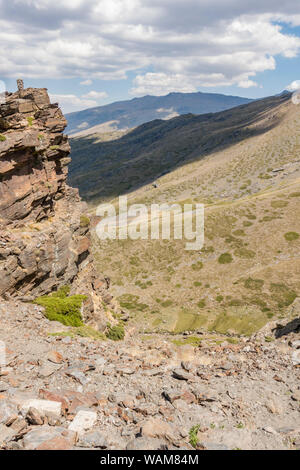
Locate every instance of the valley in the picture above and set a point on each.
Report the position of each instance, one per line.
(246, 173)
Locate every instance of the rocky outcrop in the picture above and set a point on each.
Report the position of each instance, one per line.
(44, 232)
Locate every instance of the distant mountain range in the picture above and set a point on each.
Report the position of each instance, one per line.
(125, 115)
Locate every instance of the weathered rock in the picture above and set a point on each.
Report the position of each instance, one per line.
(83, 421)
(144, 443)
(55, 443)
(296, 357)
(155, 427)
(7, 411)
(3, 386)
(55, 356)
(35, 417)
(93, 439)
(181, 374)
(43, 406)
(6, 434)
(36, 437)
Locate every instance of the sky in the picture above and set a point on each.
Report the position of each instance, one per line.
(93, 52)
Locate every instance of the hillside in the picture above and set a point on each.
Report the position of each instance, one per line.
(124, 115)
(222, 385)
(106, 169)
(248, 270)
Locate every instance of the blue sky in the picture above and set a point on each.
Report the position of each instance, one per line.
(94, 52)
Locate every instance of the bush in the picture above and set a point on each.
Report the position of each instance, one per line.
(225, 258)
(116, 333)
(201, 304)
(253, 284)
(62, 308)
(291, 236)
(279, 204)
(84, 221)
(193, 435)
(2, 138)
(197, 266)
(244, 253)
(282, 294)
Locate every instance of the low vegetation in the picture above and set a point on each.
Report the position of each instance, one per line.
(115, 333)
(62, 307)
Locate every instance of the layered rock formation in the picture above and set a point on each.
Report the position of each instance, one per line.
(44, 233)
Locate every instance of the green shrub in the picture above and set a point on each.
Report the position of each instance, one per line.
(201, 303)
(116, 333)
(235, 303)
(250, 216)
(244, 253)
(84, 221)
(197, 266)
(2, 138)
(84, 331)
(131, 302)
(193, 435)
(219, 298)
(225, 258)
(30, 120)
(59, 307)
(62, 292)
(253, 284)
(282, 294)
(279, 204)
(239, 233)
(197, 283)
(291, 236)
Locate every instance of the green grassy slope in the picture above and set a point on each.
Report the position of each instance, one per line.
(248, 270)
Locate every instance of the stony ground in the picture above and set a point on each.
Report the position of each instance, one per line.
(64, 392)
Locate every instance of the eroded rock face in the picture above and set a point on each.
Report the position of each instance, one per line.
(44, 238)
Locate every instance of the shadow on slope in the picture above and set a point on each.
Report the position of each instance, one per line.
(103, 170)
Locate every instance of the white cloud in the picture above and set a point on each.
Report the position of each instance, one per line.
(185, 43)
(294, 86)
(71, 103)
(159, 84)
(97, 95)
(247, 84)
(86, 82)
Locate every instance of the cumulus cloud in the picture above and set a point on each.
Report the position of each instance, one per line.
(86, 82)
(71, 103)
(97, 95)
(247, 84)
(294, 86)
(160, 83)
(185, 43)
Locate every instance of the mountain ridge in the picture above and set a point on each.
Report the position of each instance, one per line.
(122, 115)
(156, 147)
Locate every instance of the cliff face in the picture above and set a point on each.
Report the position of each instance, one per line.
(44, 234)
